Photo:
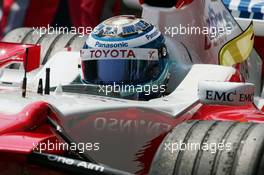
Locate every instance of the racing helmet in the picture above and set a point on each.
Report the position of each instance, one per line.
(126, 52)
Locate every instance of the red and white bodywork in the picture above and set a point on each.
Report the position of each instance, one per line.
(128, 130)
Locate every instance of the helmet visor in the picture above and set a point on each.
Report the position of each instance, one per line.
(120, 66)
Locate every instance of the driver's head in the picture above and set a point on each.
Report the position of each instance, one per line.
(128, 53)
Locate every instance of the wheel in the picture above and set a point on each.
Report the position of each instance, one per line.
(32, 37)
(17, 35)
(211, 148)
(50, 43)
(47, 43)
(77, 42)
(60, 44)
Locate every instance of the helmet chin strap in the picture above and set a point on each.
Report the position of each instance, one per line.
(162, 80)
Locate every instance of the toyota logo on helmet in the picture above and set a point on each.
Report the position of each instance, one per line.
(125, 50)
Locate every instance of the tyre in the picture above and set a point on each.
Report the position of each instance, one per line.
(60, 44)
(50, 43)
(17, 35)
(77, 42)
(32, 37)
(211, 148)
(47, 43)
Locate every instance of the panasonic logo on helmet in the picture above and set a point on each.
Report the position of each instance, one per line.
(111, 45)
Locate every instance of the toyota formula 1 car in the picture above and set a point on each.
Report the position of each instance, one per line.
(209, 121)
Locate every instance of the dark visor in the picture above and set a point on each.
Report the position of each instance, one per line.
(121, 66)
(121, 71)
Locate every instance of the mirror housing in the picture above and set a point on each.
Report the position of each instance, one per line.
(28, 54)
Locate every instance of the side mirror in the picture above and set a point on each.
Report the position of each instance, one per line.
(225, 93)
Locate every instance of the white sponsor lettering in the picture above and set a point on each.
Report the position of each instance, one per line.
(225, 93)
